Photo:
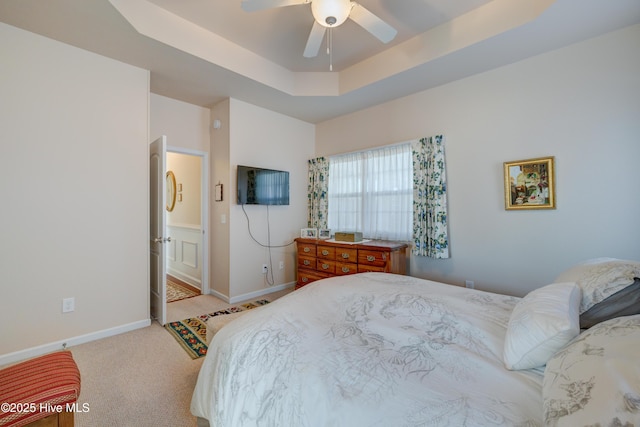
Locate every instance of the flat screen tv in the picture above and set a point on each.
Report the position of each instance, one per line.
(258, 186)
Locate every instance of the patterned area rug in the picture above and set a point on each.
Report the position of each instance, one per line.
(177, 292)
(191, 333)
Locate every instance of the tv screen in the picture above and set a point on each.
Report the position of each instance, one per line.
(258, 186)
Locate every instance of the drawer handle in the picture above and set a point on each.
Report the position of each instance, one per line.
(306, 262)
(345, 255)
(305, 279)
(307, 249)
(346, 269)
(325, 252)
(371, 258)
(325, 266)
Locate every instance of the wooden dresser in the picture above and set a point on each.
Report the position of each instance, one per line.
(318, 259)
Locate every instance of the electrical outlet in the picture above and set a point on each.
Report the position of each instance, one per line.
(281, 265)
(469, 284)
(264, 269)
(68, 305)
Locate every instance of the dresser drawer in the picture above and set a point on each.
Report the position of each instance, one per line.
(346, 255)
(326, 266)
(307, 276)
(319, 259)
(362, 268)
(307, 249)
(326, 252)
(307, 262)
(372, 258)
(346, 268)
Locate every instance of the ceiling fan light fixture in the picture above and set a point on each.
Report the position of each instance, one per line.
(331, 13)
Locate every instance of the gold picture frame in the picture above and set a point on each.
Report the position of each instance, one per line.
(530, 184)
(171, 190)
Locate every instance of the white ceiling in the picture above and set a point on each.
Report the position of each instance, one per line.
(281, 34)
(202, 51)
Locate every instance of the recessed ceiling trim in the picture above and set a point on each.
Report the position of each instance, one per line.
(316, 84)
(482, 23)
(161, 25)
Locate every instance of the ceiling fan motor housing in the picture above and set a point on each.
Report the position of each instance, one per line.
(331, 13)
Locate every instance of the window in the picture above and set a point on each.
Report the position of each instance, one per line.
(372, 192)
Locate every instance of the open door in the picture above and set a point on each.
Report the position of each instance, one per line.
(157, 238)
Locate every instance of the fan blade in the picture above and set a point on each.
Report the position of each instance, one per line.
(254, 5)
(315, 40)
(372, 23)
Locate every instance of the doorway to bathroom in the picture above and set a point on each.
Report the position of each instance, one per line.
(187, 224)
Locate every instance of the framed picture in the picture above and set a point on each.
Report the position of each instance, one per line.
(324, 233)
(309, 233)
(218, 195)
(529, 184)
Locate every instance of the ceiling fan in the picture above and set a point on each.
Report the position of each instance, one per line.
(329, 14)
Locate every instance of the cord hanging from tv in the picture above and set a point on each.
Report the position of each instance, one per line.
(260, 186)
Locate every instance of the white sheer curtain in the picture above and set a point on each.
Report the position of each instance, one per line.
(372, 192)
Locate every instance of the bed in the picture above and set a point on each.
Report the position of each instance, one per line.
(378, 349)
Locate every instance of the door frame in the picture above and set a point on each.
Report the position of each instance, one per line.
(204, 208)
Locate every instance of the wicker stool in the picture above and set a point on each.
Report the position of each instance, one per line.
(40, 392)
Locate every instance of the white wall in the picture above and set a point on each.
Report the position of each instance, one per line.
(187, 170)
(579, 104)
(187, 128)
(221, 173)
(262, 138)
(74, 184)
(185, 125)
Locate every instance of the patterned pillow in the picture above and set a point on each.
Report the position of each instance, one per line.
(601, 277)
(595, 379)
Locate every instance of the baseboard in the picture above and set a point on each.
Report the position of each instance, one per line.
(193, 281)
(219, 295)
(70, 342)
(261, 292)
(184, 284)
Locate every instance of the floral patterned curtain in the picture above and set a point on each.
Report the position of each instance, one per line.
(430, 235)
(317, 193)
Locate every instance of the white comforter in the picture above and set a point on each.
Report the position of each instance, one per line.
(370, 349)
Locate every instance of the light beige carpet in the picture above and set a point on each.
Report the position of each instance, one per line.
(138, 379)
(142, 378)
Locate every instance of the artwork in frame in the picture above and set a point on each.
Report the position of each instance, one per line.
(530, 184)
(309, 233)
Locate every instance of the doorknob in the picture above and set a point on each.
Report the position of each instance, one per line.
(162, 239)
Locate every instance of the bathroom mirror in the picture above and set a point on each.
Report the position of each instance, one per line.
(171, 191)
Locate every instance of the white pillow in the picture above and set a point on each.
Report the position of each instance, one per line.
(595, 380)
(541, 323)
(600, 278)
